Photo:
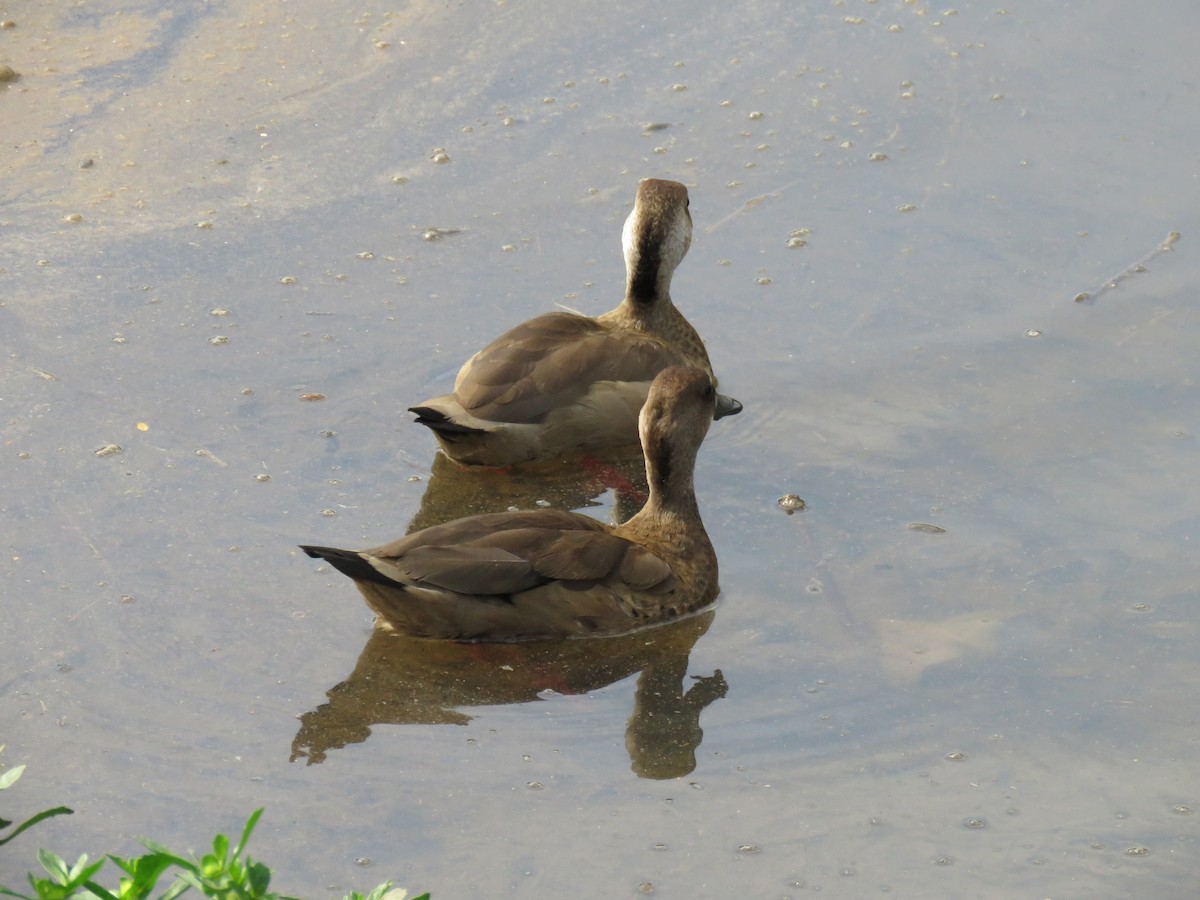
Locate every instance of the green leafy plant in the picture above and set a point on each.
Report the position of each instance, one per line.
(221, 875)
(7, 780)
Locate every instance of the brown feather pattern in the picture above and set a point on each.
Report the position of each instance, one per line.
(563, 382)
(552, 361)
(551, 574)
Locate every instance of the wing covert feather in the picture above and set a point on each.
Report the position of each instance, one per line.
(503, 553)
(550, 362)
(464, 569)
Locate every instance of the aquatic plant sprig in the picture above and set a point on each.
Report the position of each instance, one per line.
(7, 780)
(221, 874)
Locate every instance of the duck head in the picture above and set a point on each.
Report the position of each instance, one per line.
(656, 238)
(673, 422)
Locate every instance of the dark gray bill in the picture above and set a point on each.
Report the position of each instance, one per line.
(726, 406)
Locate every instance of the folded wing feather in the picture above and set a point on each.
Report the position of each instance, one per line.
(550, 362)
(510, 553)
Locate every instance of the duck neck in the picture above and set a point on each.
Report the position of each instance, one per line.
(647, 277)
(654, 241)
(670, 522)
(648, 292)
(669, 477)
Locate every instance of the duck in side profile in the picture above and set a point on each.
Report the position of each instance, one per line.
(549, 574)
(563, 382)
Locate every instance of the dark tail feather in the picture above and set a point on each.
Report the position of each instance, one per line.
(439, 422)
(349, 563)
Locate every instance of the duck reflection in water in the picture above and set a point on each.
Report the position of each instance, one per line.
(411, 681)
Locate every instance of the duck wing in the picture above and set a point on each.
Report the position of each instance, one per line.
(502, 554)
(508, 576)
(550, 362)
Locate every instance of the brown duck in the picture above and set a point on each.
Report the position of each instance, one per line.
(563, 382)
(552, 574)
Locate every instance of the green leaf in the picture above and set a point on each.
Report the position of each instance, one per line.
(250, 823)
(210, 867)
(79, 866)
(221, 849)
(33, 820)
(175, 858)
(81, 874)
(377, 894)
(55, 866)
(259, 877)
(175, 890)
(99, 891)
(189, 879)
(48, 890)
(144, 871)
(9, 778)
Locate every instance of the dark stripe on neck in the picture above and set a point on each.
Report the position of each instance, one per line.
(662, 470)
(643, 283)
(658, 456)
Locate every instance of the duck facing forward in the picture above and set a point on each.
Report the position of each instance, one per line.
(550, 574)
(563, 382)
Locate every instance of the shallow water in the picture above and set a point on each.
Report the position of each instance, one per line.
(998, 709)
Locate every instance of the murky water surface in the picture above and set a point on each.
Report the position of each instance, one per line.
(966, 668)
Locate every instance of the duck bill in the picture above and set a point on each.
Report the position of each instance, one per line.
(726, 406)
